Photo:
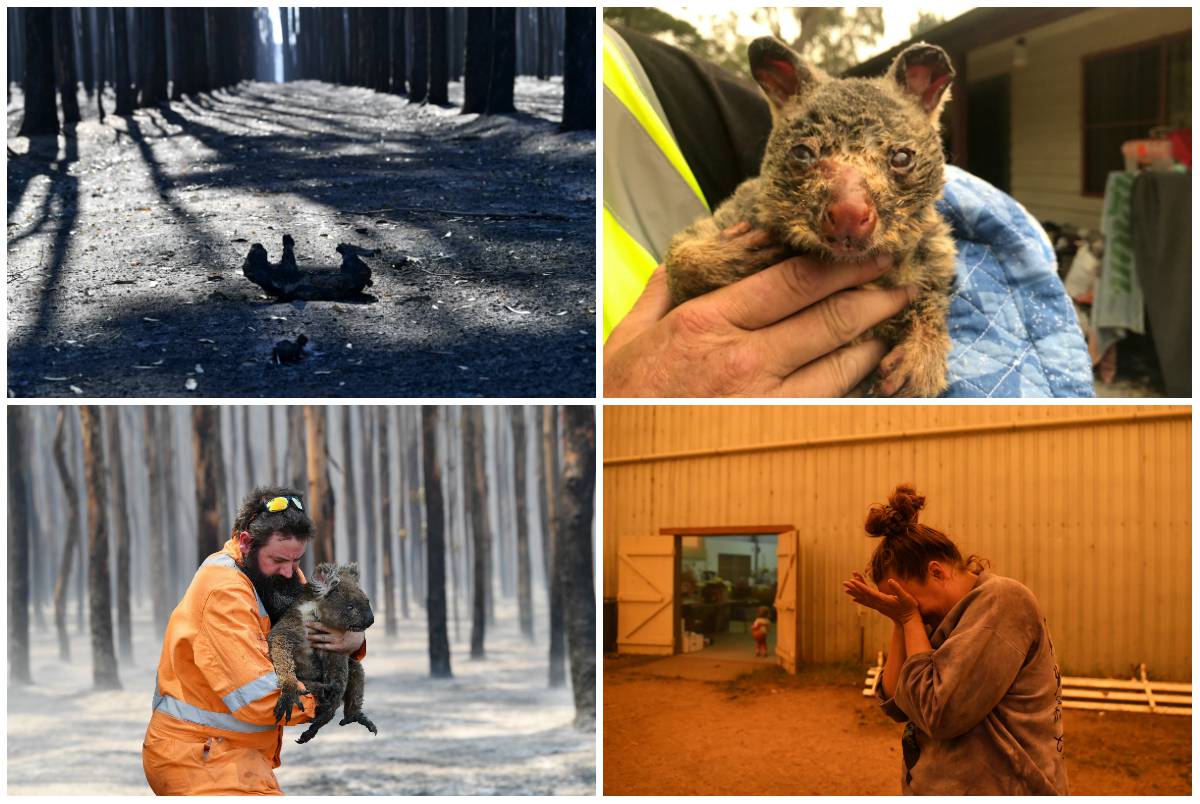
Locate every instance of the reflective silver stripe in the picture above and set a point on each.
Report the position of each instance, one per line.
(223, 560)
(248, 693)
(639, 74)
(202, 717)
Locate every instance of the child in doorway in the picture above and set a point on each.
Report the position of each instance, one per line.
(759, 630)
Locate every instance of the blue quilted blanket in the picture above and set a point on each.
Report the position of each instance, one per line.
(1011, 321)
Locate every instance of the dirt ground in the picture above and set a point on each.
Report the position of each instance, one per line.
(686, 726)
(126, 240)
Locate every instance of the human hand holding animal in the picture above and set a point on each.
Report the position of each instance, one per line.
(899, 606)
(322, 637)
(782, 331)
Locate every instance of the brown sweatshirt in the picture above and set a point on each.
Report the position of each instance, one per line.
(984, 709)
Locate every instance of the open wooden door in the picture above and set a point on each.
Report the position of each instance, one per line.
(646, 594)
(787, 596)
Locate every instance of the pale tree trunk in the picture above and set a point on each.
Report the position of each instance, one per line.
(382, 417)
(320, 504)
(558, 659)
(248, 446)
(168, 490)
(435, 560)
(121, 529)
(575, 556)
(524, 582)
(481, 545)
(18, 545)
(348, 473)
(71, 544)
(152, 458)
(104, 657)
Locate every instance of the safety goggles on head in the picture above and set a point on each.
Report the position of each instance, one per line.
(278, 504)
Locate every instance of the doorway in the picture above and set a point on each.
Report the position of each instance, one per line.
(726, 588)
(988, 131)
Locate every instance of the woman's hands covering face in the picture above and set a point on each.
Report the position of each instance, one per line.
(899, 606)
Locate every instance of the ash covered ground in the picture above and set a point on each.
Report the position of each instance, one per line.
(126, 240)
(493, 729)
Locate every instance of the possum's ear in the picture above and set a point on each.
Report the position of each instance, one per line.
(780, 71)
(923, 73)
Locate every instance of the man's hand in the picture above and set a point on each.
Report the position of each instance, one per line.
(780, 332)
(322, 637)
(899, 607)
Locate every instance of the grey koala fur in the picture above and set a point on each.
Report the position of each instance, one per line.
(851, 170)
(333, 597)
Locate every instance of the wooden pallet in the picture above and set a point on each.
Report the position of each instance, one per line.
(873, 676)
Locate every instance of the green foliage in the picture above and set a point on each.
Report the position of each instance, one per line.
(926, 21)
(662, 25)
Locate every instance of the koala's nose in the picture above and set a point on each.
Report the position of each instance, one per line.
(370, 620)
(850, 217)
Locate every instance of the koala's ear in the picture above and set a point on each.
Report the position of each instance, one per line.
(351, 569)
(780, 71)
(325, 572)
(923, 73)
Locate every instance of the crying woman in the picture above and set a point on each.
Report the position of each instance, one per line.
(971, 669)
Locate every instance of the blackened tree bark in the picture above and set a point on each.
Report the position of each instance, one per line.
(479, 60)
(104, 657)
(320, 503)
(418, 85)
(575, 556)
(579, 75)
(85, 49)
(41, 112)
(458, 34)
(64, 64)
(504, 61)
(71, 543)
(348, 475)
(153, 460)
(124, 86)
(18, 545)
(121, 529)
(206, 446)
(399, 52)
(175, 32)
(550, 494)
(152, 64)
(296, 456)
(543, 43)
(435, 562)
(102, 34)
(439, 57)
(481, 537)
(380, 72)
(285, 25)
(524, 581)
(382, 417)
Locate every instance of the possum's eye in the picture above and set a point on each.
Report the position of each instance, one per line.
(804, 154)
(902, 159)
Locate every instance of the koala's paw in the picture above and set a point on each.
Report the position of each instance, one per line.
(308, 734)
(359, 718)
(289, 699)
(910, 372)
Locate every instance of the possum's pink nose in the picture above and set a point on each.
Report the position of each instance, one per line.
(848, 218)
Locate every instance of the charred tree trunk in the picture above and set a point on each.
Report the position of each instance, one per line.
(552, 489)
(418, 85)
(504, 61)
(575, 556)
(121, 531)
(478, 60)
(352, 505)
(124, 85)
(416, 503)
(480, 534)
(206, 445)
(175, 32)
(435, 562)
(71, 543)
(439, 57)
(171, 522)
(64, 68)
(380, 67)
(152, 66)
(41, 112)
(579, 75)
(524, 582)
(320, 494)
(18, 546)
(543, 43)
(399, 53)
(104, 658)
(102, 34)
(382, 416)
(370, 523)
(85, 50)
(285, 26)
(296, 476)
(153, 457)
(248, 448)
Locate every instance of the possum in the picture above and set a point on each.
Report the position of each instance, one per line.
(333, 597)
(851, 170)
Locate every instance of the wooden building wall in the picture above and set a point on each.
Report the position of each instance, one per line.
(1088, 506)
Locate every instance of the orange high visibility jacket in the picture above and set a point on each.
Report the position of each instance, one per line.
(213, 730)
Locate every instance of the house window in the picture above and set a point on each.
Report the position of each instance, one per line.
(1127, 93)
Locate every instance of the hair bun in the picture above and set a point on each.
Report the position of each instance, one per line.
(898, 515)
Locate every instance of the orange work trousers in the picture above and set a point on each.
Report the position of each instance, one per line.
(181, 760)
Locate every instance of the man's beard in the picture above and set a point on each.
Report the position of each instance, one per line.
(276, 592)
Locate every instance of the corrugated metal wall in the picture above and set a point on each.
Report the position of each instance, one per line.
(1088, 506)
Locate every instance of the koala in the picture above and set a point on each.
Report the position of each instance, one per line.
(851, 170)
(332, 596)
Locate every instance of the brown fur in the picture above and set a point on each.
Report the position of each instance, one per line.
(854, 127)
(334, 598)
